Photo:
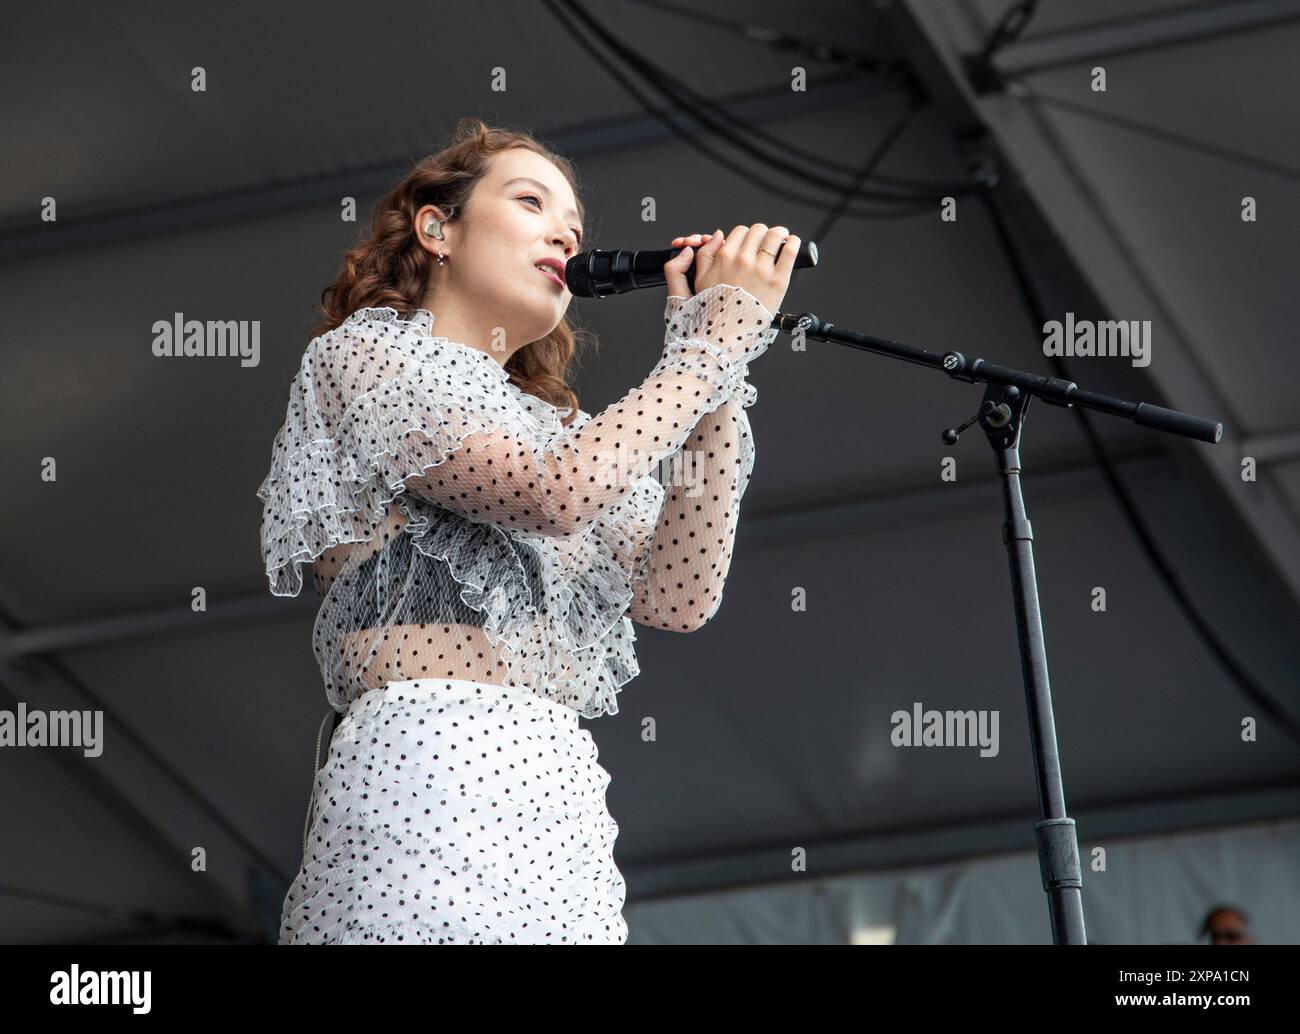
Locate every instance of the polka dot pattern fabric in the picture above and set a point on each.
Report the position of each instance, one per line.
(458, 530)
(456, 812)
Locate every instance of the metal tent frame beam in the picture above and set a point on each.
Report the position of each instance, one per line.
(1159, 30)
(1078, 244)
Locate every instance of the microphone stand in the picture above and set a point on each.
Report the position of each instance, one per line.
(1007, 394)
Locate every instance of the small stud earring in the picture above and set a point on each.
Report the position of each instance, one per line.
(440, 259)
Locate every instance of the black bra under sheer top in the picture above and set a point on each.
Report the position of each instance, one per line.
(439, 599)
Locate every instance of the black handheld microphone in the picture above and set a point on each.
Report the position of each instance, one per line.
(595, 274)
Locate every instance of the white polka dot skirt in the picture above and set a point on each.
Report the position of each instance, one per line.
(457, 812)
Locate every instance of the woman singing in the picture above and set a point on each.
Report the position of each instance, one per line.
(482, 546)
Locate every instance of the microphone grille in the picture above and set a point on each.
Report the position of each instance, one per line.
(583, 272)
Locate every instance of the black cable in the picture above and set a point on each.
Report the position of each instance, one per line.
(704, 111)
(699, 145)
(695, 106)
(890, 71)
(877, 155)
(1009, 27)
(984, 77)
(1251, 689)
(777, 39)
(1157, 133)
(701, 110)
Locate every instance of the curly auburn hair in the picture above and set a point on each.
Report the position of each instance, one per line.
(387, 267)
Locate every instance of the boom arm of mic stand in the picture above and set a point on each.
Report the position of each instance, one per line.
(1052, 390)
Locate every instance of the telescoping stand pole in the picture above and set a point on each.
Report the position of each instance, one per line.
(1002, 411)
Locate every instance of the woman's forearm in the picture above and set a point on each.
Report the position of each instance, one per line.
(690, 553)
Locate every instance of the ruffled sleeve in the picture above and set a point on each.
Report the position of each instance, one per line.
(371, 405)
(376, 410)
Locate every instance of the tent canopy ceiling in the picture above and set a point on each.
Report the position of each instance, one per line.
(773, 723)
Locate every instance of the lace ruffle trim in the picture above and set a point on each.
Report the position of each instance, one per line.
(323, 491)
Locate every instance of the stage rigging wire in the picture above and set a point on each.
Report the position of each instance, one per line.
(877, 155)
(903, 205)
(895, 72)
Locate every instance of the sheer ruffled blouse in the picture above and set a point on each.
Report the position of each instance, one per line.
(493, 542)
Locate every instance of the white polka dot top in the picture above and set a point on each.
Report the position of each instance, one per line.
(458, 530)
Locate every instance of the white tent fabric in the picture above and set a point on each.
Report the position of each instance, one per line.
(1153, 891)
